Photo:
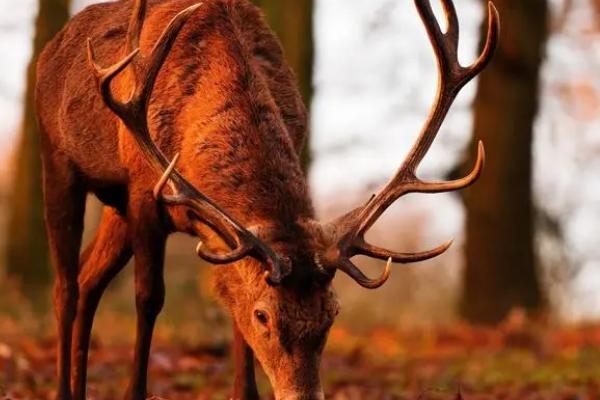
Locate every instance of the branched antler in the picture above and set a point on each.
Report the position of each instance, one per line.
(351, 228)
(133, 112)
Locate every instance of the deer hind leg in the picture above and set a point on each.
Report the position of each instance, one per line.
(245, 381)
(148, 240)
(102, 260)
(64, 207)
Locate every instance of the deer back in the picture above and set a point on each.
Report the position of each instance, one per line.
(225, 100)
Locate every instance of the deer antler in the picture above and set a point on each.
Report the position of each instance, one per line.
(351, 228)
(133, 113)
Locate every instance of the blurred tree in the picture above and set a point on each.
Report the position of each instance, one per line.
(292, 20)
(27, 253)
(501, 271)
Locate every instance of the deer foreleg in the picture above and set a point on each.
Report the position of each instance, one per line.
(148, 241)
(64, 207)
(101, 262)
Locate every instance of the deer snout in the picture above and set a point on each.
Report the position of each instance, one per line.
(300, 395)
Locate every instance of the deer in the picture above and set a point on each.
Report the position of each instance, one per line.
(185, 117)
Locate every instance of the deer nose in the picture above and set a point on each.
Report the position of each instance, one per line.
(316, 395)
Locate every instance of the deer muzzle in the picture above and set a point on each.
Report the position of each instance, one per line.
(305, 385)
(300, 395)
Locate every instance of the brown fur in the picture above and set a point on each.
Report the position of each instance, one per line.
(228, 102)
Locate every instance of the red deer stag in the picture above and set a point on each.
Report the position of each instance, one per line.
(211, 91)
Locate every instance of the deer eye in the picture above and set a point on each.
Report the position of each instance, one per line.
(261, 317)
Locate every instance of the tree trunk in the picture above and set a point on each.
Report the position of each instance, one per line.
(26, 252)
(292, 20)
(501, 270)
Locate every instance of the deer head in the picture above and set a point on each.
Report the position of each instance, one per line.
(280, 295)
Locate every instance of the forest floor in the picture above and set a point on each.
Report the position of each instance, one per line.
(516, 361)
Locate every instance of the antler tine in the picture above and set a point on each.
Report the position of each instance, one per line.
(161, 51)
(236, 255)
(105, 76)
(451, 186)
(355, 273)
(369, 250)
(490, 42)
(445, 45)
(353, 227)
(452, 20)
(164, 180)
(136, 23)
(187, 195)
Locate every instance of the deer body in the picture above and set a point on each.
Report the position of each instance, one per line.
(226, 101)
(207, 86)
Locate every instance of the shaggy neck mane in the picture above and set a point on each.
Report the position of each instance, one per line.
(236, 140)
